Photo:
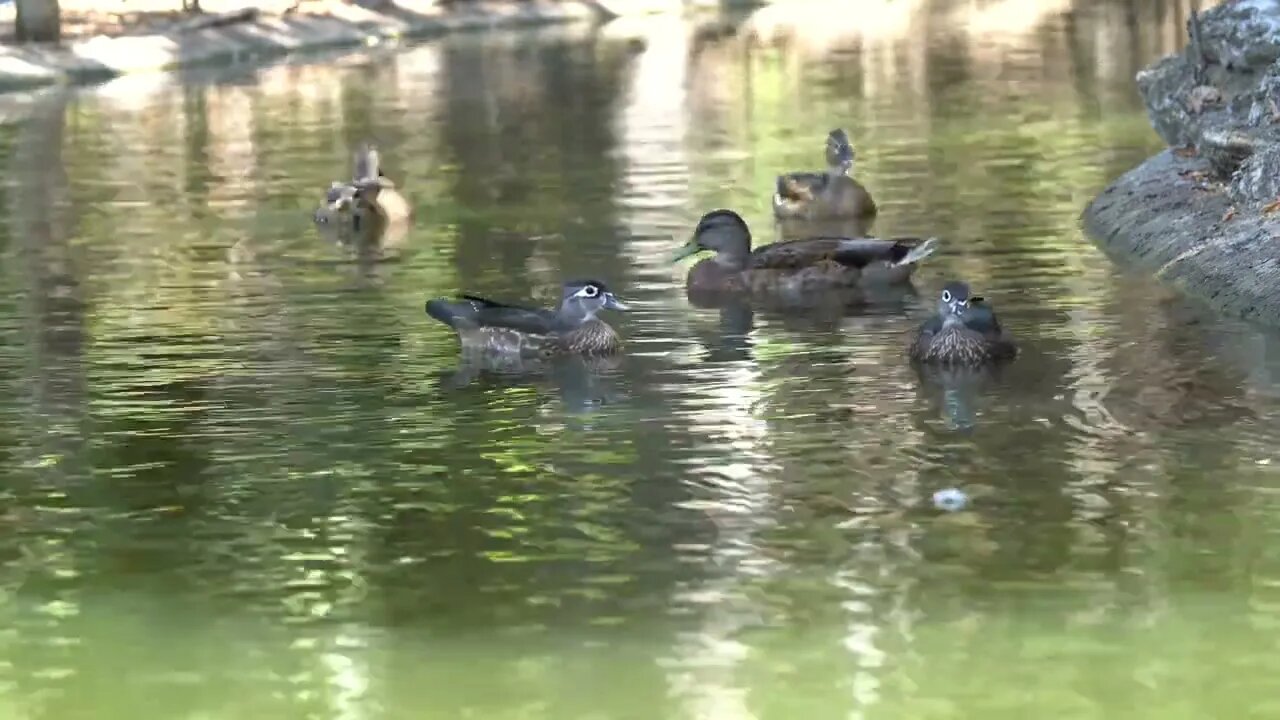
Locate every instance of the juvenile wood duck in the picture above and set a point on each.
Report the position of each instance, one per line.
(790, 266)
(369, 202)
(964, 331)
(572, 328)
(823, 195)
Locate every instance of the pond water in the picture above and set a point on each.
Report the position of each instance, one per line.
(246, 479)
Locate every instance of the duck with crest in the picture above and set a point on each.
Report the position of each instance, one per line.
(572, 328)
(803, 265)
(832, 193)
(368, 202)
(965, 331)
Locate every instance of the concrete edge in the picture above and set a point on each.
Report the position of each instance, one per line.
(1169, 217)
(103, 58)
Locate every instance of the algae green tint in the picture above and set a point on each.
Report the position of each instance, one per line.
(247, 477)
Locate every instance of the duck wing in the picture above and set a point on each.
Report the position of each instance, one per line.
(794, 254)
(981, 317)
(850, 252)
(473, 311)
(924, 336)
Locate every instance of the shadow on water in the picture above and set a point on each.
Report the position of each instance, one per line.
(248, 477)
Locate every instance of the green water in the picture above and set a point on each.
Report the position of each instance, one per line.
(245, 479)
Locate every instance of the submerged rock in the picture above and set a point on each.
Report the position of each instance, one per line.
(1201, 216)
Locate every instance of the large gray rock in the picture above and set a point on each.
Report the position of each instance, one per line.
(1201, 217)
(1226, 79)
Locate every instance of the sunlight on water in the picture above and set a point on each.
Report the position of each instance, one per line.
(248, 477)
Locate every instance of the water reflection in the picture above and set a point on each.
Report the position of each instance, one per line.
(239, 487)
(581, 383)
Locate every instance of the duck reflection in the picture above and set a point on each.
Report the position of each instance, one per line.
(822, 310)
(731, 341)
(958, 390)
(583, 383)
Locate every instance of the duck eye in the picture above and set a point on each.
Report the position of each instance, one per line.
(946, 296)
(590, 291)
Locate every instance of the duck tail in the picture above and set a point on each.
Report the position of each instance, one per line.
(919, 252)
(450, 313)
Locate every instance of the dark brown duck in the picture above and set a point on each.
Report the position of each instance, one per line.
(832, 193)
(807, 265)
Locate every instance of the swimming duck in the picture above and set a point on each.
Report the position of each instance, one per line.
(829, 194)
(965, 331)
(572, 328)
(810, 264)
(368, 202)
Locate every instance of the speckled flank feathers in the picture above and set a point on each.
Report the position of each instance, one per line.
(959, 345)
(594, 337)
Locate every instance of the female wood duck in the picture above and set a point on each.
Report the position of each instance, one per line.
(965, 331)
(369, 202)
(821, 195)
(811, 264)
(572, 328)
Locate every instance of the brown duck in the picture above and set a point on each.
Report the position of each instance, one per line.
(794, 266)
(832, 193)
(366, 204)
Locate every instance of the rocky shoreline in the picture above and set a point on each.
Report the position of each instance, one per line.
(253, 35)
(1203, 214)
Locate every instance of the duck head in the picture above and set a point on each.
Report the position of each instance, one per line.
(723, 232)
(580, 300)
(955, 300)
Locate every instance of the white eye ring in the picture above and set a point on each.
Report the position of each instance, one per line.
(590, 291)
(946, 296)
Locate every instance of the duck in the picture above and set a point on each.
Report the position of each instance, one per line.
(572, 328)
(832, 193)
(368, 202)
(790, 266)
(964, 332)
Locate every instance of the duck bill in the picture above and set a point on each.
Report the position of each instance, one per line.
(690, 248)
(612, 302)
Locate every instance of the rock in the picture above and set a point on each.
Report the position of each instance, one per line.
(1227, 147)
(1217, 81)
(1257, 180)
(1240, 36)
(1163, 217)
(1203, 216)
